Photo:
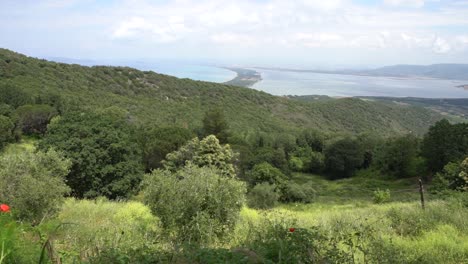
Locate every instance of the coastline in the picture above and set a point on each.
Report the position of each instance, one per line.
(244, 78)
(464, 87)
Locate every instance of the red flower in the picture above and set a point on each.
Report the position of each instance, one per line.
(292, 229)
(4, 208)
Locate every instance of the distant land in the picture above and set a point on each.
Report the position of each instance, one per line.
(456, 109)
(244, 78)
(438, 71)
(465, 86)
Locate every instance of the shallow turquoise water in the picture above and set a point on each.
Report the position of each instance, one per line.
(298, 83)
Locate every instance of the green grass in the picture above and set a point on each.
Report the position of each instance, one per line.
(358, 189)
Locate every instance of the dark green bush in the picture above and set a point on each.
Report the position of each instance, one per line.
(293, 192)
(263, 196)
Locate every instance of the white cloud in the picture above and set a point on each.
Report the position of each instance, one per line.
(315, 40)
(405, 3)
(138, 27)
(441, 46)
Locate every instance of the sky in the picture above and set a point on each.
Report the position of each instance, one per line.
(278, 33)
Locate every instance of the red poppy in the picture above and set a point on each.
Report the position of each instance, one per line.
(4, 208)
(292, 229)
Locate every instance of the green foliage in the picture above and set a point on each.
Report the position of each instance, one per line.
(381, 196)
(203, 153)
(399, 157)
(462, 179)
(13, 95)
(293, 192)
(265, 172)
(6, 131)
(157, 142)
(214, 123)
(105, 156)
(199, 204)
(33, 183)
(448, 178)
(445, 143)
(263, 196)
(304, 159)
(152, 98)
(344, 157)
(33, 119)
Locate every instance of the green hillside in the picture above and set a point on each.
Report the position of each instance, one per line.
(166, 100)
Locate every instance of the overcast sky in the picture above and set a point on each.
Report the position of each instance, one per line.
(303, 33)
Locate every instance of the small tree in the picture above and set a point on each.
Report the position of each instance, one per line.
(265, 172)
(33, 183)
(214, 123)
(199, 203)
(33, 119)
(205, 153)
(463, 176)
(156, 143)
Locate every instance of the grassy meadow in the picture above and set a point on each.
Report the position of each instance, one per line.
(342, 225)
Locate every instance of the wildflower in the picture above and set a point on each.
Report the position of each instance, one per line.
(4, 208)
(292, 229)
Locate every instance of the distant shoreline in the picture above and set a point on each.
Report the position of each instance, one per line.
(464, 87)
(244, 78)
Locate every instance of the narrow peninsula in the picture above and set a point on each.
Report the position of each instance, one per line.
(245, 77)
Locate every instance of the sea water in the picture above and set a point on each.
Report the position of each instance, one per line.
(307, 83)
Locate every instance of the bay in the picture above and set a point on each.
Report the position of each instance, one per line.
(307, 83)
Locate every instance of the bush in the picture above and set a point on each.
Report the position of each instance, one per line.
(199, 204)
(263, 196)
(207, 152)
(33, 183)
(293, 192)
(381, 196)
(265, 172)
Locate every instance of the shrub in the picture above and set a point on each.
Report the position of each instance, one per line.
(263, 196)
(293, 192)
(33, 183)
(198, 203)
(381, 196)
(203, 153)
(265, 172)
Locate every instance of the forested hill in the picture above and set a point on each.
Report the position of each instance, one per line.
(165, 100)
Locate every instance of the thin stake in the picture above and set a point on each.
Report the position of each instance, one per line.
(421, 192)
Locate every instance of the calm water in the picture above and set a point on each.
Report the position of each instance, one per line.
(180, 69)
(294, 83)
(191, 71)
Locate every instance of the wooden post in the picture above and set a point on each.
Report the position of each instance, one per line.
(421, 192)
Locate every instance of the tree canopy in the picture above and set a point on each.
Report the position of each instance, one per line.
(106, 160)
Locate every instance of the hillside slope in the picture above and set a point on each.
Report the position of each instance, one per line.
(166, 100)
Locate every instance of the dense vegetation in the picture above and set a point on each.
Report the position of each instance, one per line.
(151, 98)
(114, 165)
